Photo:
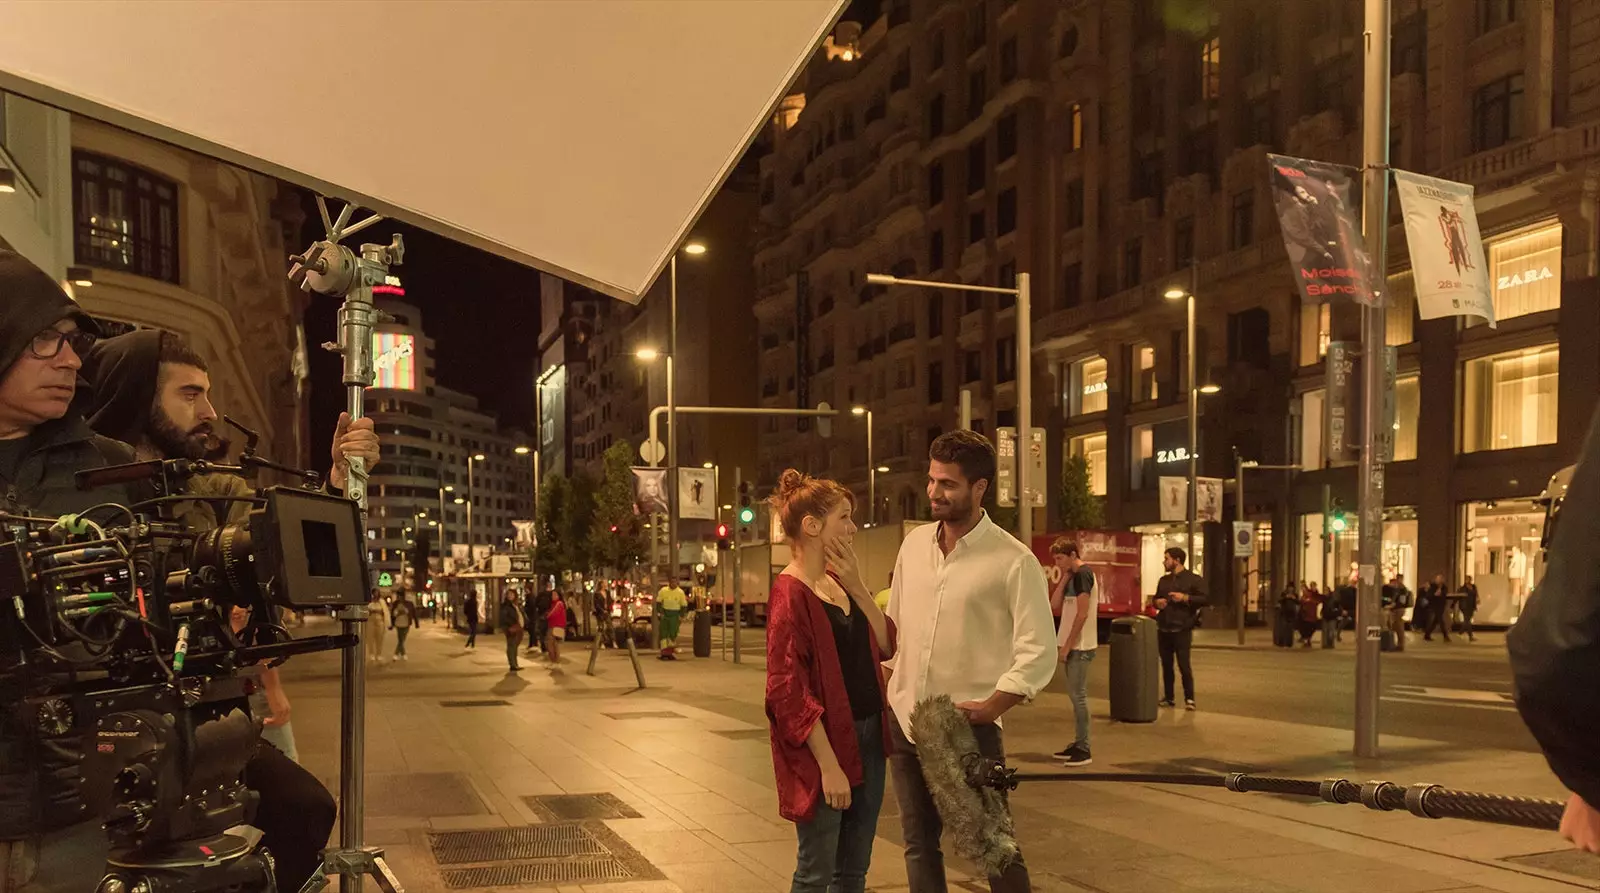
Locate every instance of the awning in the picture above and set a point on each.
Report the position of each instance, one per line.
(581, 137)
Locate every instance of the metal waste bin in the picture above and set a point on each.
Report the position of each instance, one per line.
(1135, 666)
(702, 634)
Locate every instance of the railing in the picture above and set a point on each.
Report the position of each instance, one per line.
(1515, 161)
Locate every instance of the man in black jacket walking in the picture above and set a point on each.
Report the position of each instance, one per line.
(1555, 650)
(1180, 595)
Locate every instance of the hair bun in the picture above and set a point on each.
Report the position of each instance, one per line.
(790, 481)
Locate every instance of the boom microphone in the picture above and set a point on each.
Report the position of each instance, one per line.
(976, 816)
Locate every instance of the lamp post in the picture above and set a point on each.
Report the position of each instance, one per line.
(872, 470)
(650, 355)
(693, 249)
(1195, 390)
(1023, 293)
(471, 460)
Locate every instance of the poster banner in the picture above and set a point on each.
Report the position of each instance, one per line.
(1209, 505)
(1175, 499)
(525, 536)
(1447, 261)
(1317, 213)
(650, 491)
(697, 493)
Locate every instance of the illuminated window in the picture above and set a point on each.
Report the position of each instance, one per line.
(1075, 128)
(1087, 387)
(1407, 408)
(1092, 447)
(1142, 451)
(1509, 400)
(125, 218)
(1145, 386)
(1399, 324)
(1211, 69)
(1311, 446)
(1316, 323)
(1525, 272)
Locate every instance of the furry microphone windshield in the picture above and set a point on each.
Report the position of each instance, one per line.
(977, 818)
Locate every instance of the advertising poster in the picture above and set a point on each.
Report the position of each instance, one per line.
(394, 361)
(697, 493)
(650, 491)
(1318, 213)
(1447, 261)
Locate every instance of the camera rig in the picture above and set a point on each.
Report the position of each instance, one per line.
(117, 643)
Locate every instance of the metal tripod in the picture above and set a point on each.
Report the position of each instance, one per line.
(332, 269)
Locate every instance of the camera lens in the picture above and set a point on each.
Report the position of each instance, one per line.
(227, 553)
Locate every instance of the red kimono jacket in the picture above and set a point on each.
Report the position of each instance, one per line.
(804, 684)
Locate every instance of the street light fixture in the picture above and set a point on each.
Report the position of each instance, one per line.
(1023, 293)
(471, 461)
(1178, 293)
(647, 354)
(872, 470)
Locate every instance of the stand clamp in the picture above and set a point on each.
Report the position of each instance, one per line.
(353, 863)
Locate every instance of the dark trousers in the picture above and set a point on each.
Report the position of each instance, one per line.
(1176, 645)
(296, 814)
(1438, 618)
(511, 649)
(1466, 622)
(920, 822)
(836, 847)
(472, 633)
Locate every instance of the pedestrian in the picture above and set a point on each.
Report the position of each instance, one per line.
(377, 626)
(1180, 595)
(1437, 596)
(825, 695)
(1310, 612)
(539, 620)
(1332, 618)
(970, 587)
(1288, 613)
(602, 616)
(512, 622)
(1469, 607)
(1077, 638)
(469, 608)
(557, 624)
(268, 700)
(402, 617)
(671, 602)
(530, 602)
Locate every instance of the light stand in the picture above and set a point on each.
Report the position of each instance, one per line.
(332, 269)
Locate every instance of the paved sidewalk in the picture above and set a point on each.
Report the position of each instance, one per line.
(455, 743)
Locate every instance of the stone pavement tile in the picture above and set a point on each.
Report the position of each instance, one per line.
(664, 848)
(668, 784)
(745, 827)
(466, 822)
(1122, 880)
(721, 877)
(634, 887)
(702, 804)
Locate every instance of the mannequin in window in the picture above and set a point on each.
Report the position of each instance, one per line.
(1517, 570)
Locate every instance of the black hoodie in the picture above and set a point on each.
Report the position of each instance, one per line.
(30, 302)
(119, 379)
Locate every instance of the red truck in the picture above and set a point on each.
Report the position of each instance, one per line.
(1113, 555)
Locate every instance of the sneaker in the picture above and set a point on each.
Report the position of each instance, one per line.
(1189, 705)
(1075, 756)
(1167, 702)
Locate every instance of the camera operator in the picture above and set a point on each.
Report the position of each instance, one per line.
(1555, 651)
(150, 389)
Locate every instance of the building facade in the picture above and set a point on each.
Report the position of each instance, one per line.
(155, 236)
(1116, 149)
(428, 475)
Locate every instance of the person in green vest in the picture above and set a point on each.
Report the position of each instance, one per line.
(671, 602)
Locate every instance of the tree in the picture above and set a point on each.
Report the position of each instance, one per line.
(616, 535)
(566, 508)
(1078, 507)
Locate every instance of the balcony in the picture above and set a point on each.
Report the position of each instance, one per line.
(1515, 162)
(902, 332)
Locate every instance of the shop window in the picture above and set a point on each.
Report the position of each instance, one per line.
(1407, 408)
(1316, 324)
(1092, 448)
(1509, 400)
(1311, 446)
(1525, 272)
(1087, 386)
(1501, 554)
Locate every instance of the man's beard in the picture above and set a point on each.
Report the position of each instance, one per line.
(174, 443)
(952, 510)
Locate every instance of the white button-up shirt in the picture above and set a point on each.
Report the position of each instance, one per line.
(970, 623)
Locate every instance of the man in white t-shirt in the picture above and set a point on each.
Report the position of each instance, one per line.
(1076, 642)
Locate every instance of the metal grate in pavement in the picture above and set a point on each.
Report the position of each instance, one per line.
(1573, 862)
(579, 807)
(646, 714)
(504, 845)
(490, 703)
(744, 734)
(577, 871)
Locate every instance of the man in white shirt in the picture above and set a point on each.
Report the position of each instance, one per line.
(1076, 641)
(970, 593)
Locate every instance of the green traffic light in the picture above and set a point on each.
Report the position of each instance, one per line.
(747, 515)
(1338, 524)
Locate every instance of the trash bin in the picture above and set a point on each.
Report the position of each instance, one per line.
(1135, 666)
(702, 634)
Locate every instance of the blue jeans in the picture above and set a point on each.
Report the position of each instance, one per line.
(836, 847)
(1078, 690)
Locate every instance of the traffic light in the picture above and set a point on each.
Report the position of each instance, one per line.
(747, 514)
(722, 538)
(1337, 523)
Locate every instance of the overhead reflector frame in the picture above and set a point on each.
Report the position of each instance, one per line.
(581, 137)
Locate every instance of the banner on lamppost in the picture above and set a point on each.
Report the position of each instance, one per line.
(525, 536)
(1317, 213)
(697, 493)
(650, 491)
(1447, 262)
(1175, 498)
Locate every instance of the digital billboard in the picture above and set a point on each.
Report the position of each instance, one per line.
(394, 361)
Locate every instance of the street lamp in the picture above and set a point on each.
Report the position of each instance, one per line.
(1023, 293)
(872, 471)
(1177, 293)
(471, 460)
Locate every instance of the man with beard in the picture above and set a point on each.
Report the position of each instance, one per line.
(970, 593)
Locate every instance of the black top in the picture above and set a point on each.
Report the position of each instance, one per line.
(1179, 617)
(11, 452)
(852, 636)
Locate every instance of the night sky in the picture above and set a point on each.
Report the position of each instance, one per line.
(481, 310)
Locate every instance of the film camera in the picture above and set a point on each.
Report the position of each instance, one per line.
(126, 678)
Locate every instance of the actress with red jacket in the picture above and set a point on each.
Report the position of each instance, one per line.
(826, 639)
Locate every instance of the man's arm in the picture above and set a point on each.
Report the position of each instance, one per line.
(1033, 660)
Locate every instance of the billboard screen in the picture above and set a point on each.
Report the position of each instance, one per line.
(394, 361)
